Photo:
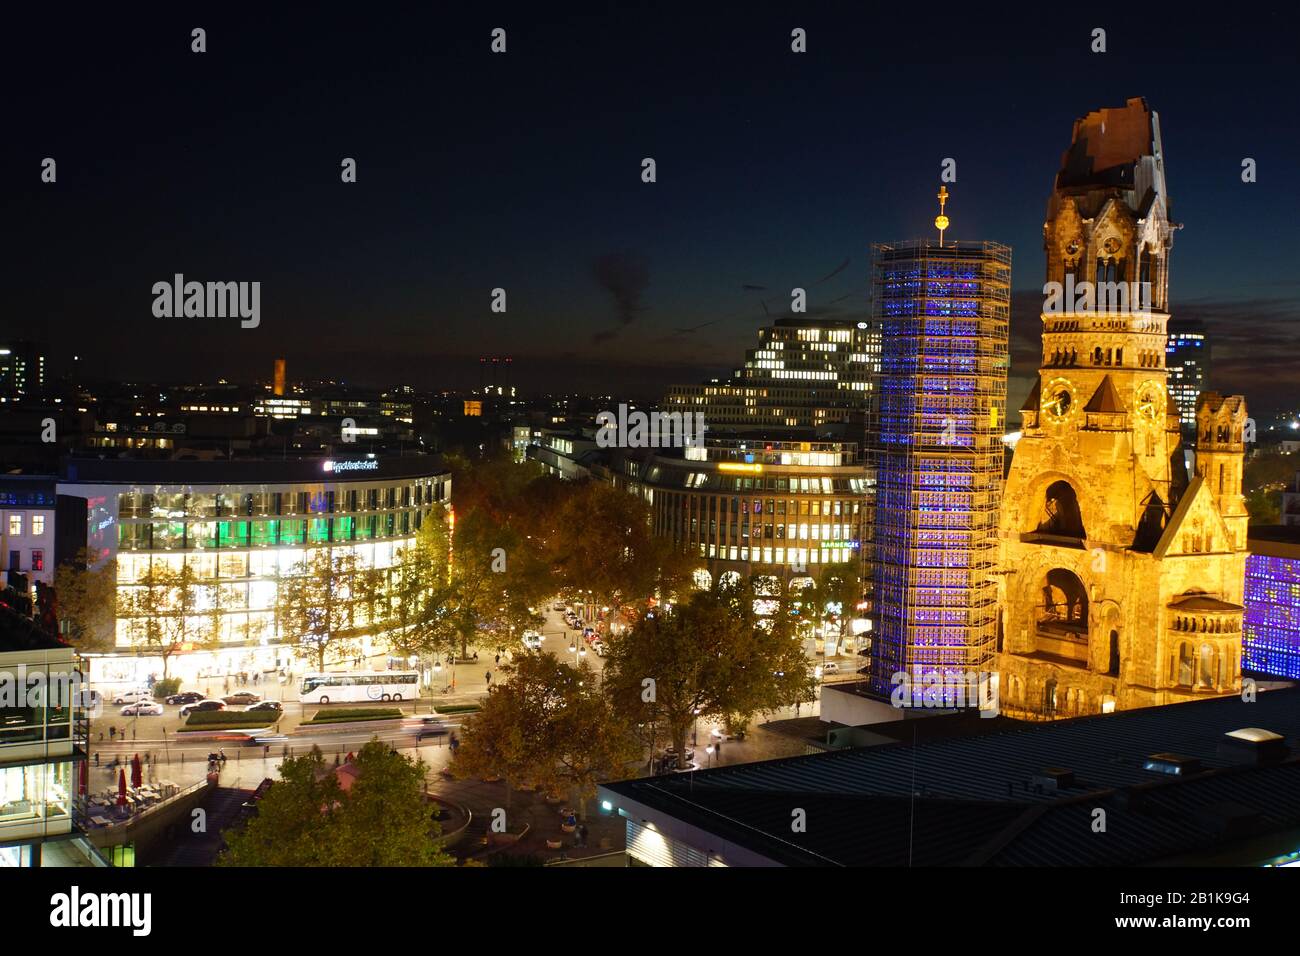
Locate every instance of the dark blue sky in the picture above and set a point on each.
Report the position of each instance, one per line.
(523, 171)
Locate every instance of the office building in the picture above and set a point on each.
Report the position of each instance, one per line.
(43, 746)
(806, 374)
(22, 369)
(241, 526)
(1187, 364)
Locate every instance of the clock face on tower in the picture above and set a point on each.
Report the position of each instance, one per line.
(1150, 402)
(1058, 400)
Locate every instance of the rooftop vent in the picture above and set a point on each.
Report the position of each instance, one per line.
(1176, 765)
(1053, 778)
(1253, 746)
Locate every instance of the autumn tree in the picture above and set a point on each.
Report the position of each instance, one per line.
(549, 723)
(603, 543)
(321, 602)
(711, 657)
(165, 608)
(307, 819)
(86, 602)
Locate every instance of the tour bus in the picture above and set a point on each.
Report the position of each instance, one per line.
(359, 686)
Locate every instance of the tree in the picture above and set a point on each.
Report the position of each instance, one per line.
(86, 599)
(549, 723)
(165, 610)
(307, 819)
(318, 604)
(603, 543)
(838, 592)
(713, 656)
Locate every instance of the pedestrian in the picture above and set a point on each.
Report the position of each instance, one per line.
(498, 658)
(112, 732)
(488, 677)
(717, 748)
(96, 758)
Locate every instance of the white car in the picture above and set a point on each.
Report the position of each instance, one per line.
(143, 708)
(830, 667)
(532, 640)
(132, 696)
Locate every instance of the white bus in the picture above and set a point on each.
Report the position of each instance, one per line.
(361, 686)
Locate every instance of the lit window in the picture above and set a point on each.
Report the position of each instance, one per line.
(15, 524)
(38, 524)
(38, 560)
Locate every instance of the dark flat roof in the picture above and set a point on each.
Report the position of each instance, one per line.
(1274, 540)
(242, 471)
(970, 800)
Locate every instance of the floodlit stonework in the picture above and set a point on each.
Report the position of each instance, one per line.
(1121, 574)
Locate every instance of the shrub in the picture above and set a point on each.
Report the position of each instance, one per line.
(230, 718)
(354, 713)
(166, 687)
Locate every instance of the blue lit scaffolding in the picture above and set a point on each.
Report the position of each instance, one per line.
(936, 447)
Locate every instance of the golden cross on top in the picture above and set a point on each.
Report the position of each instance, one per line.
(941, 221)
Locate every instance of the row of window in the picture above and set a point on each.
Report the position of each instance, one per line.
(331, 501)
(184, 535)
(16, 519)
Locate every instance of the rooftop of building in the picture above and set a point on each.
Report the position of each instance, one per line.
(1024, 795)
(20, 633)
(1274, 540)
(249, 470)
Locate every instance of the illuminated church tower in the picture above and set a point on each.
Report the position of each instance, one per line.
(1121, 576)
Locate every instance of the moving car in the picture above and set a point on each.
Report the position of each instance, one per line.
(202, 705)
(433, 726)
(131, 696)
(143, 708)
(187, 697)
(532, 640)
(243, 697)
(830, 667)
(268, 705)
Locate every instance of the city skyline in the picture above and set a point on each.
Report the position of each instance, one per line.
(770, 176)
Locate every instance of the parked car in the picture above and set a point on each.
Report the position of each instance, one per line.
(143, 708)
(202, 705)
(243, 697)
(268, 705)
(558, 607)
(187, 697)
(131, 696)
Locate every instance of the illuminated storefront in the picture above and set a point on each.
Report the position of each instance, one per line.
(241, 527)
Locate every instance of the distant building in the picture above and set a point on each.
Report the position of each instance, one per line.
(805, 374)
(22, 369)
(27, 511)
(1270, 639)
(1187, 362)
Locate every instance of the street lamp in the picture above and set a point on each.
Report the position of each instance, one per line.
(709, 750)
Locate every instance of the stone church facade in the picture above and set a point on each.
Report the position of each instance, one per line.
(1121, 571)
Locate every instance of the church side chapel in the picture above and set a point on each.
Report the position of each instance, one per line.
(1122, 570)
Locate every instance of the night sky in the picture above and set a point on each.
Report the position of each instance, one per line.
(523, 171)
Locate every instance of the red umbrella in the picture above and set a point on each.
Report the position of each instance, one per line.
(121, 788)
(83, 783)
(137, 771)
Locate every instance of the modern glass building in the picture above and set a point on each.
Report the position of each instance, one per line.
(805, 374)
(242, 527)
(1270, 639)
(1187, 360)
(43, 745)
(936, 450)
